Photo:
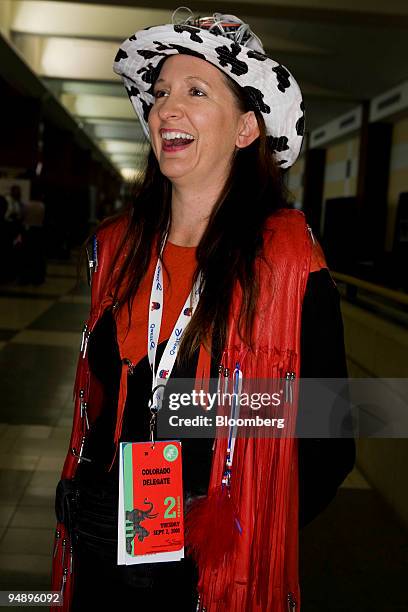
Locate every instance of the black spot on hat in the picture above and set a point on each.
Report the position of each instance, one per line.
(278, 144)
(133, 37)
(193, 32)
(229, 56)
(300, 123)
(121, 54)
(146, 109)
(148, 53)
(283, 77)
(150, 72)
(261, 57)
(132, 91)
(186, 51)
(255, 97)
(160, 45)
(153, 74)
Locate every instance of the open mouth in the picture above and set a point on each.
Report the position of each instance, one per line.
(176, 144)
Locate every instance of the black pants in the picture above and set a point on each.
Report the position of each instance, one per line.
(98, 580)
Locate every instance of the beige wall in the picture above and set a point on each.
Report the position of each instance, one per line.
(336, 185)
(398, 176)
(5, 17)
(335, 182)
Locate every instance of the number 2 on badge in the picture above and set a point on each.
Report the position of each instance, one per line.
(172, 502)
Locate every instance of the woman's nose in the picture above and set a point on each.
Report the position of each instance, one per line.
(170, 107)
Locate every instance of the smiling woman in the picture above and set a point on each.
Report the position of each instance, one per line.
(205, 109)
(212, 116)
(211, 273)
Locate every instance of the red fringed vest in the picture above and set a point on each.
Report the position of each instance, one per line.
(261, 572)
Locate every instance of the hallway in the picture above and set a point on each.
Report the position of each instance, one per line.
(354, 556)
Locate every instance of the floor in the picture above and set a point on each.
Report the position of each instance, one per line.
(40, 328)
(354, 556)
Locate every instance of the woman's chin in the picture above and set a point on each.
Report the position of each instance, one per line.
(174, 170)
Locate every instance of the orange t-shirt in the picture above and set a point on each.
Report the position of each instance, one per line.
(180, 262)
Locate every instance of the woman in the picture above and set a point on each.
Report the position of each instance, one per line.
(212, 208)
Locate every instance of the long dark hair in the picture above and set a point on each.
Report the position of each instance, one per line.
(227, 250)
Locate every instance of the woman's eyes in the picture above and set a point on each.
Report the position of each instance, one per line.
(195, 89)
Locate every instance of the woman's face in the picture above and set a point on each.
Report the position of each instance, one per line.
(192, 97)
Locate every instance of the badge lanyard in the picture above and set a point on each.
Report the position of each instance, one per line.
(168, 358)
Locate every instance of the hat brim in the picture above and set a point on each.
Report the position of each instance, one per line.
(269, 85)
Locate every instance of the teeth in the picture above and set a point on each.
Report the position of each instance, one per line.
(173, 135)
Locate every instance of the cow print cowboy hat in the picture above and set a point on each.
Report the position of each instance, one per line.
(229, 44)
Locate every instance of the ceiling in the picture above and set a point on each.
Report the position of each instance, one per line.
(341, 52)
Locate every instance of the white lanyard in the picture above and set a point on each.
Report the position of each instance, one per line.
(169, 355)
